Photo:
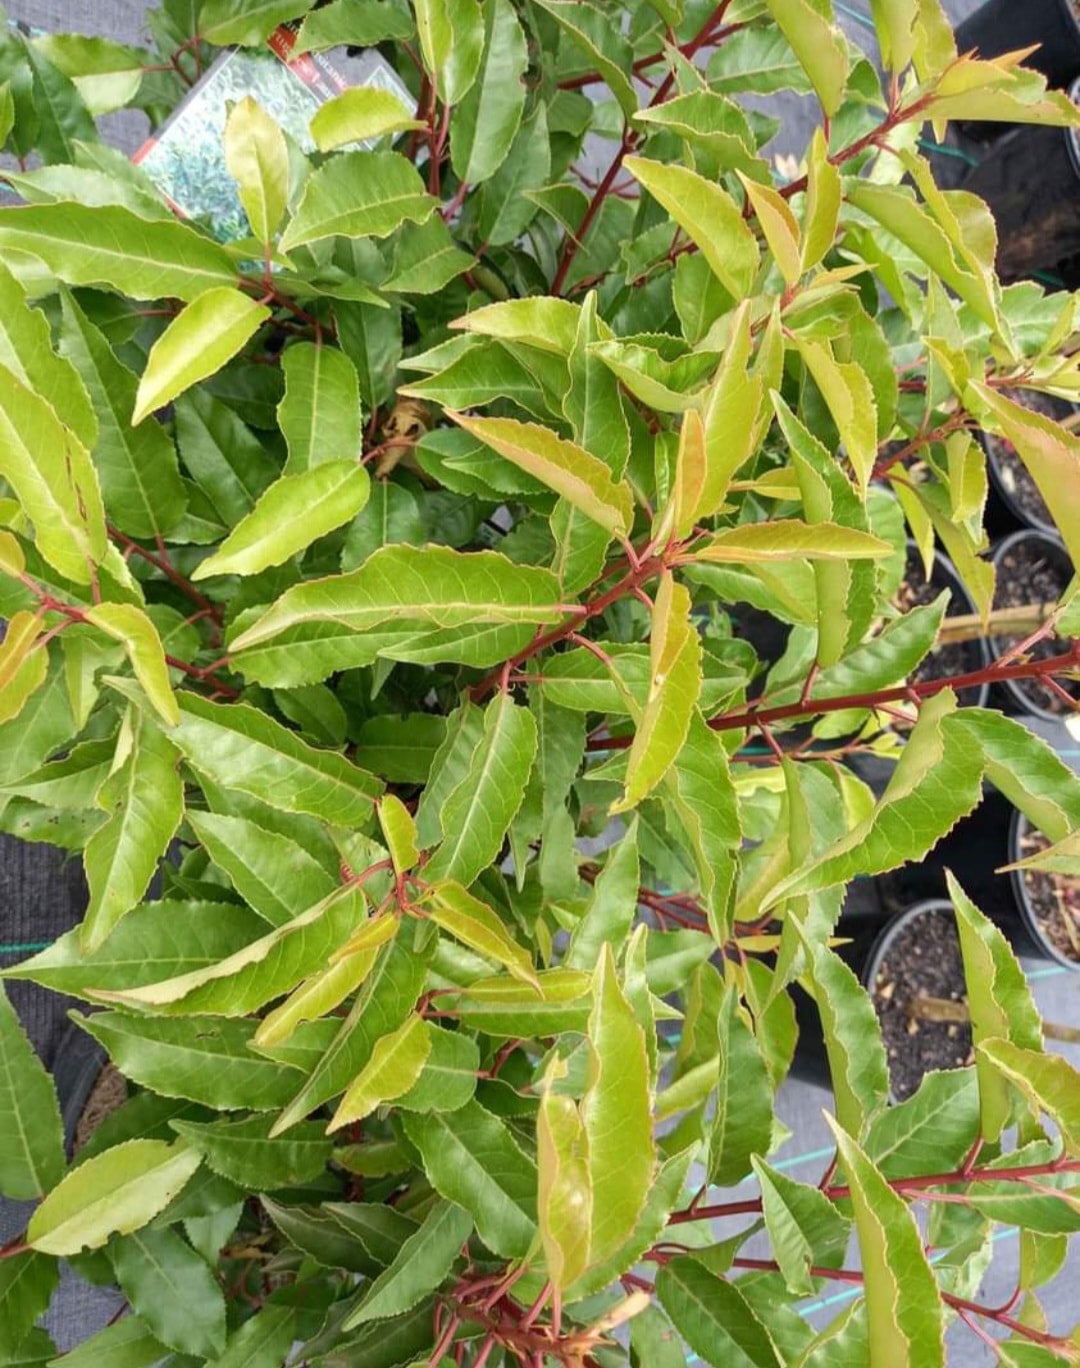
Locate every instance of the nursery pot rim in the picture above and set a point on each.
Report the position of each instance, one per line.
(1010, 686)
(1022, 898)
(1072, 135)
(958, 587)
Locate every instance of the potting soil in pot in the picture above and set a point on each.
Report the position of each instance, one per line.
(1055, 899)
(922, 959)
(1012, 473)
(1027, 577)
(951, 657)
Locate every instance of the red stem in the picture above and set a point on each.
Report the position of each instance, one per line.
(161, 562)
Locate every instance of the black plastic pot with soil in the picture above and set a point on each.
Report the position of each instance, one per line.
(1033, 570)
(949, 657)
(1016, 501)
(914, 973)
(1001, 26)
(1049, 902)
(1030, 179)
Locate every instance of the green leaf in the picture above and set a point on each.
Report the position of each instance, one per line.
(263, 1341)
(582, 479)
(742, 1125)
(847, 392)
(288, 517)
(31, 1136)
(112, 247)
(931, 1131)
(385, 1000)
(320, 412)
(564, 1185)
(790, 539)
(319, 994)
(113, 1193)
(156, 939)
(140, 480)
(713, 1317)
(394, 1067)
(362, 23)
(450, 1073)
(422, 1263)
(486, 121)
(504, 209)
(340, 1236)
(818, 44)
(260, 971)
(52, 476)
(616, 1115)
(709, 217)
(202, 337)
(355, 195)
(212, 1065)
(902, 1302)
(477, 813)
(258, 161)
(452, 43)
(426, 602)
(1049, 1082)
(145, 801)
(509, 1007)
(823, 199)
(240, 748)
(805, 1228)
(471, 1158)
(610, 913)
(999, 1002)
(242, 1152)
(139, 637)
(936, 782)
(593, 404)
(454, 909)
(602, 45)
(674, 685)
(273, 874)
(857, 1062)
(172, 1289)
(127, 1343)
(248, 22)
(357, 114)
(27, 1282)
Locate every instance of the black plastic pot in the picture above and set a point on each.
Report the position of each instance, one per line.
(1005, 511)
(1002, 26)
(1021, 891)
(1010, 694)
(79, 1062)
(1030, 178)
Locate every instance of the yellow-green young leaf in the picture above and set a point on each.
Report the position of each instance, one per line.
(564, 1186)
(112, 1193)
(358, 194)
(258, 161)
(581, 478)
(999, 1001)
(12, 560)
(395, 1064)
(847, 391)
(31, 1136)
(247, 22)
(1050, 453)
(138, 636)
(319, 414)
(7, 111)
(54, 480)
(1063, 857)
(357, 114)
(818, 44)
(399, 833)
(779, 224)
(789, 539)
(23, 664)
(289, 516)
(895, 21)
(1049, 1082)
(206, 334)
(709, 216)
(467, 919)
(821, 212)
(145, 801)
(906, 1317)
(375, 932)
(452, 43)
(616, 1112)
(318, 996)
(691, 471)
(730, 414)
(540, 321)
(674, 685)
